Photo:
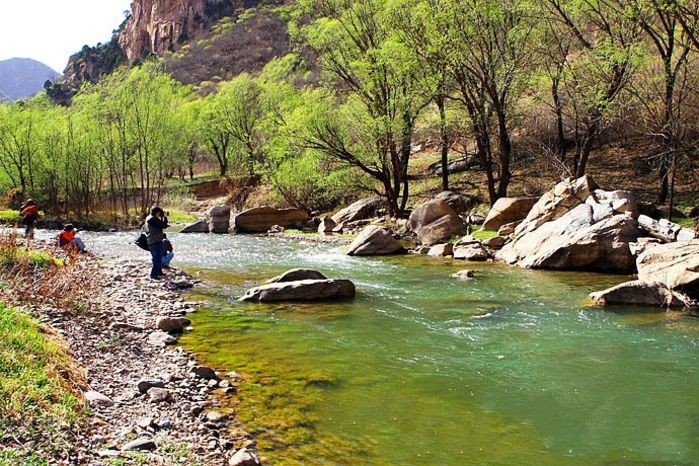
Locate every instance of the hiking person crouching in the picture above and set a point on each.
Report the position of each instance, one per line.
(30, 213)
(168, 252)
(68, 241)
(156, 222)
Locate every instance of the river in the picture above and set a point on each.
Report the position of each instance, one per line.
(514, 367)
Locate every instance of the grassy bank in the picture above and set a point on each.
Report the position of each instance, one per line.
(39, 388)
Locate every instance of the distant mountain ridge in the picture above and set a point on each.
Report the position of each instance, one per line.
(23, 77)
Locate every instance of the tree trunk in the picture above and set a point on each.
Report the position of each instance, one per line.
(559, 120)
(444, 141)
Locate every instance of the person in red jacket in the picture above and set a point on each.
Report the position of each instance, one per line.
(68, 241)
(30, 214)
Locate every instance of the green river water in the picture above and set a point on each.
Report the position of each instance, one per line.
(514, 367)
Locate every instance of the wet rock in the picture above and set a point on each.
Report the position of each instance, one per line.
(218, 219)
(298, 274)
(204, 372)
(326, 226)
(434, 221)
(464, 274)
(302, 290)
(146, 384)
(441, 250)
(244, 457)
(200, 226)
(172, 324)
(160, 338)
(639, 293)
(140, 444)
(95, 398)
(507, 210)
(472, 252)
(374, 241)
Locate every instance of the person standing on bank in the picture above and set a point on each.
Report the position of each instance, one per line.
(156, 222)
(30, 214)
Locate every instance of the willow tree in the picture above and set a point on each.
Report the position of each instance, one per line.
(376, 82)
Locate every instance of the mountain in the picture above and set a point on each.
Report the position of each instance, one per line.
(23, 77)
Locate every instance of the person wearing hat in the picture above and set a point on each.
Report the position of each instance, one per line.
(68, 241)
(156, 222)
(30, 214)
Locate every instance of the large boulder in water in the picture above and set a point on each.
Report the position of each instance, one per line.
(674, 265)
(637, 292)
(587, 237)
(434, 222)
(301, 290)
(261, 219)
(200, 226)
(374, 241)
(508, 210)
(360, 210)
(296, 275)
(218, 219)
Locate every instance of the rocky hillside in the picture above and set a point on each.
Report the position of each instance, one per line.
(23, 77)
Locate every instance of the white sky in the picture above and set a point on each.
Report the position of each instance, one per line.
(51, 30)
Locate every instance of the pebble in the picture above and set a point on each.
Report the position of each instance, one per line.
(141, 444)
(158, 395)
(146, 384)
(96, 398)
(204, 372)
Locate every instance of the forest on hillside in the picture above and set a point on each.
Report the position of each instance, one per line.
(498, 82)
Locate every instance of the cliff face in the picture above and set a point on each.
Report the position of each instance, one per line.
(156, 26)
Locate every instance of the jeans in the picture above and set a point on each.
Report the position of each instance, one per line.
(167, 257)
(156, 252)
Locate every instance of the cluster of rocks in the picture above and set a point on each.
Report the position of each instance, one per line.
(301, 285)
(144, 394)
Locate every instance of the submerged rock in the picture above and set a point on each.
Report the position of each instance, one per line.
(434, 221)
(374, 241)
(464, 274)
(302, 290)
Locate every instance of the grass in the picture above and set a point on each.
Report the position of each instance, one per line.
(482, 235)
(179, 216)
(39, 381)
(8, 216)
(12, 255)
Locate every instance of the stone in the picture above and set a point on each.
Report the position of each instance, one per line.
(360, 210)
(694, 213)
(464, 274)
(200, 226)
(460, 203)
(621, 201)
(276, 230)
(108, 453)
(471, 252)
(326, 226)
(215, 416)
(95, 398)
(673, 265)
(665, 230)
(580, 239)
(145, 422)
(297, 274)
(158, 395)
(339, 228)
(565, 196)
(160, 338)
(508, 228)
(140, 444)
(374, 241)
(261, 219)
(172, 324)
(434, 221)
(640, 245)
(474, 219)
(467, 240)
(637, 292)
(496, 242)
(204, 372)
(244, 457)
(507, 210)
(218, 218)
(146, 384)
(441, 250)
(302, 290)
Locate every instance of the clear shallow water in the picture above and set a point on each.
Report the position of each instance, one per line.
(513, 367)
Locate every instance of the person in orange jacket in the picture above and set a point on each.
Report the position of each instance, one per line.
(68, 240)
(30, 214)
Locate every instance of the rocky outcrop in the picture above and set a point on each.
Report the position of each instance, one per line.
(360, 210)
(434, 221)
(158, 26)
(508, 210)
(301, 290)
(297, 274)
(374, 241)
(576, 226)
(261, 219)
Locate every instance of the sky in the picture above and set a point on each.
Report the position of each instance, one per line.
(52, 30)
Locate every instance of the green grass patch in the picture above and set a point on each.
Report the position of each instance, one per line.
(482, 235)
(685, 222)
(8, 216)
(179, 216)
(39, 381)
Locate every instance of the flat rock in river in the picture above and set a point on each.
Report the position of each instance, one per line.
(302, 290)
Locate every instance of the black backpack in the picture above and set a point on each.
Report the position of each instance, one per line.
(142, 241)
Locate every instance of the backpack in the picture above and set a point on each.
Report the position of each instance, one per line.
(142, 241)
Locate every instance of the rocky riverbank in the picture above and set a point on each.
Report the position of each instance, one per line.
(149, 402)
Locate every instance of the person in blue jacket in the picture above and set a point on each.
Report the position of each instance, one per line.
(156, 222)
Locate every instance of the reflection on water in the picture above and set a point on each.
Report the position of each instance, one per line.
(512, 367)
